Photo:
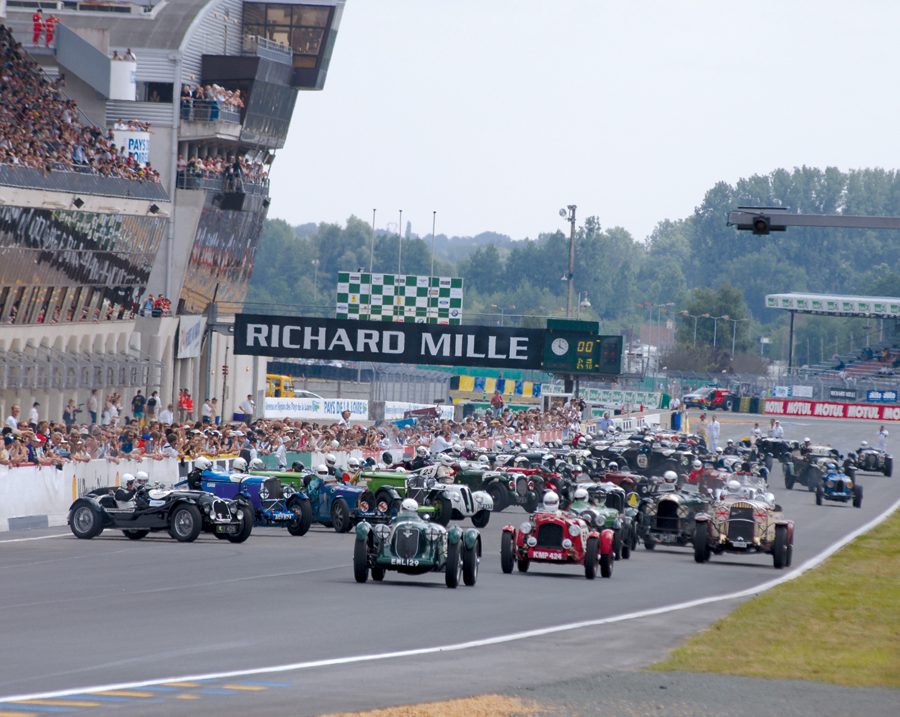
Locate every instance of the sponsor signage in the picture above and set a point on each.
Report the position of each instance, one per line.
(190, 336)
(792, 391)
(328, 409)
(888, 396)
(828, 409)
(352, 340)
(134, 143)
(838, 392)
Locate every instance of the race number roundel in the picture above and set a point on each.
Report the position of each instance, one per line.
(642, 461)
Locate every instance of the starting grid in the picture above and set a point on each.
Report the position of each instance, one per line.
(403, 298)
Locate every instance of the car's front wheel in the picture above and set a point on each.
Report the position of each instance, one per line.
(246, 526)
(453, 567)
(86, 522)
(361, 561)
(470, 560)
(303, 510)
(185, 523)
(506, 553)
(857, 496)
(820, 494)
(780, 549)
(590, 558)
(481, 518)
(498, 495)
(340, 516)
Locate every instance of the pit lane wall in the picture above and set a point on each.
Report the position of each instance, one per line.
(829, 409)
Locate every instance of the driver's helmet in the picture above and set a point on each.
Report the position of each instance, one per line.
(239, 465)
(807, 441)
(551, 501)
(613, 466)
(330, 459)
(321, 470)
(470, 445)
(730, 442)
(409, 505)
(141, 478)
(457, 447)
(483, 458)
(421, 451)
(581, 494)
(531, 441)
(831, 466)
(547, 458)
(734, 486)
(720, 450)
(864, 444)
(353, 464)
(257, 465)
(577, 468)
(498, 445)
(203, 463)
(447, 459)
(520, 461)
(128, 479)
(399, 469)
(697, 464)
(670, 477)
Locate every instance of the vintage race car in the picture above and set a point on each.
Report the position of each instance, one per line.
(807, 466)
(607, 507)
(272, 502)
(557, 537)
(183, 513)
(433, 485)
(773, 449)
(666, 514)
(736, 525)
(413, 546)
(871, 460)
(342, 505)
(507, 486)
(839, 487)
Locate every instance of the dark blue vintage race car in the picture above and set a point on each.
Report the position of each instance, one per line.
(273, 503)
(342, 505)
(839, 487)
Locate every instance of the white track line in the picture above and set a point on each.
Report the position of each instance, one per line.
(297, 666)
(28, 540)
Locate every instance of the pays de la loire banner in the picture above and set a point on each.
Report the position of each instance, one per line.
(829, 409)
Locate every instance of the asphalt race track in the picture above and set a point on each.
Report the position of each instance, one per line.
(93, 618)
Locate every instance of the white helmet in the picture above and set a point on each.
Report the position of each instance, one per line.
(330, 459)
(523, 446)
(531, 441)
(730, 442)
(203, 463)
(498, 445)
(670, 477)
(470, 445)
(581, 494)
(697, 463)
(353, 463)
(807, 440)
(551, 501)
(864, 444)
(734, 486)
(421, 451)
(127, 478)
(447, 459)
(409, 505)
(321, 470)
(720, 450)
(457, 447)
(142, 478)
(483, 459)
(257, 465)
(613, 466)
(520, 460)
(239, 465)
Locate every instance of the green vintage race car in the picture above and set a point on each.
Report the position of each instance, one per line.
(414, 546)
(605, 505)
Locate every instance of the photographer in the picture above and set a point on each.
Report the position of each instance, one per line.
(69, 415)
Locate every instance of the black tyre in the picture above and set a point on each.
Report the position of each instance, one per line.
(481, 518)
(454, 566)
(246, 526)
(185, 523)
(626, 550)
(522, 564)
(888, 466)
(470, 560)
(361, 561)
(779, 551)
(789, 556)
(649, 542)
(617, 545)
(788, 480)
(531, 502)
(303, 510)
(701, 543)
(444, 511)
(606, 565)
(590, 558)
(729, 405)
(768, 460)
(820, 495)
(340, 516)
(136, 534)
(86, 522)
(377, 573)
(506, 553)
(499, 495)
(857, 496)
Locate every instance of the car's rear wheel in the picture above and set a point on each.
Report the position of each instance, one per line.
(506, 553)
(857, 496)
(340, 516)
(590, 558)
(888, 466)
(453, 567)
(626, 549)
(649, 542)
(246, 526)
(361, 561)
(606, 565)
(303, 510)
(86, 522)
(617, 545)
(444, 511)
(701, 543)
(185, 523)
(788, 479)
(779, 551)
(498, 495)
(820, 494)
(470, 560)
(136, 534)
(481, 518)
(531, 502)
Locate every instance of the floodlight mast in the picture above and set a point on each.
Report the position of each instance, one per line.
(763, 220)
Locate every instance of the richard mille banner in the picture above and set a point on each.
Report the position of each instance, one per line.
(350, 340)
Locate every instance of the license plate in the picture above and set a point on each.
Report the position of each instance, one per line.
(739, 543)
(226, 529)
(546, 555)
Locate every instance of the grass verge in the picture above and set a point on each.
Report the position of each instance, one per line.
(838, 623)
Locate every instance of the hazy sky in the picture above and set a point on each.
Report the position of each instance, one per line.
(496, 113)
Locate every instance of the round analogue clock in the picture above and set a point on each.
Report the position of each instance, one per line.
(559, 346)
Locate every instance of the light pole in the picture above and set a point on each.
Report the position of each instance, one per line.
(687, 315)
(734, 332)
(399, 240)
(502, 310)
(715, 324)
(659, 308)
(372, 250)
(315, 263)
(569, 212)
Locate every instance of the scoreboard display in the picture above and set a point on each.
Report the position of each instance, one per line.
(583, 352)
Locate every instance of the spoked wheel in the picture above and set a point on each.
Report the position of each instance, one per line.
(340, 516)
(303, 510)
(185, 523)
(246, 526)
(85, 523)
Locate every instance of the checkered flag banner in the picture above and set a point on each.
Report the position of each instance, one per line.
(404, 298)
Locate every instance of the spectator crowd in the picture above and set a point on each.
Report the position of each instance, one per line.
(205, 103)
(40, 128)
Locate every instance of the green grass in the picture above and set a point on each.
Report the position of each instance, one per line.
(839, 623)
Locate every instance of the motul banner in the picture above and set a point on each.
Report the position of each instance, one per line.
(827, 409)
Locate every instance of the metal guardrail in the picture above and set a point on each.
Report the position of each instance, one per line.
(76, 182)
(267, 49)
(184, 180)
(208, 111)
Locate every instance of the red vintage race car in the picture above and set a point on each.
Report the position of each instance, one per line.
(557, 537)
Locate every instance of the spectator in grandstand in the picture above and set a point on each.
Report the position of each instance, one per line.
(129, 55)
(167, 416)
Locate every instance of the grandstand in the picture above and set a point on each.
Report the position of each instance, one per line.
(135, 142)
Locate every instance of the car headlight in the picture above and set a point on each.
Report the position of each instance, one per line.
(208, 508)
(382, 506)
(849, 484)
(566, 543)
(525, 528)
(830, 483)
(240, 514)
(532, 541)
(574, 529)
(363, 506)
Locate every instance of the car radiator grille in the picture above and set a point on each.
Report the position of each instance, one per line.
(406, 542)
(550, 535)
(522, 486)
(667, 515)
(741, 523)
(220, 510)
